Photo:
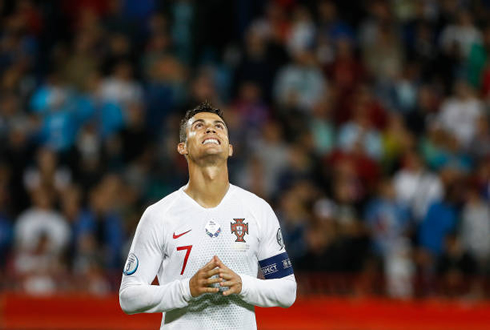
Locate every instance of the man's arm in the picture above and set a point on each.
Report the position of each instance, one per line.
(152, 299)
(269, 293)
(136, 294)
(263, 293)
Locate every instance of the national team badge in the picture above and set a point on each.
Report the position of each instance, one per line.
(239, 229)
(212, 229)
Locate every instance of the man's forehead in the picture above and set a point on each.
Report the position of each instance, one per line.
(206, 116)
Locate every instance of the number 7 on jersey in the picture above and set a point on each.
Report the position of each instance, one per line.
(188, 252)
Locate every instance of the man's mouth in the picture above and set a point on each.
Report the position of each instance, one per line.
(211, 140)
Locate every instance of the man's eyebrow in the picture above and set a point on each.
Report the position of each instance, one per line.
(198, 121)
(215, 121)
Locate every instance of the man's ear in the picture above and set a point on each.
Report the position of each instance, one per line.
(230, 150)
(182, 149)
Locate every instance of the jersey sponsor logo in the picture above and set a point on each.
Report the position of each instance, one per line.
(279, 239)
(212, 229)
(175, 236)
(277, 266)
(239, 229)
(131, 264)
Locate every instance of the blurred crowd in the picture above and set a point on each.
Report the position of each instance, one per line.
(364, 123)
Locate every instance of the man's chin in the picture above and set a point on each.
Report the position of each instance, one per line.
(211, 157)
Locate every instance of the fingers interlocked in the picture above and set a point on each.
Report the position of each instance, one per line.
(203, 280)
(215, 271)
(230, 279)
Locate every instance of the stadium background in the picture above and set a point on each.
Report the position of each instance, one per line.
(364, 123)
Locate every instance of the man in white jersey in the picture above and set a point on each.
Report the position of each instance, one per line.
(205, 243)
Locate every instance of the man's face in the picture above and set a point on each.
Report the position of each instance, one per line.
(207, 135)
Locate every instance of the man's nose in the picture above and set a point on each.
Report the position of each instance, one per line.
(210, 129)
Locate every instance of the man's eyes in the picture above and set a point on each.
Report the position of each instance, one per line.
(200, 125)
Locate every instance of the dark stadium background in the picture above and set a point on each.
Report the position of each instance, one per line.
(364, 123)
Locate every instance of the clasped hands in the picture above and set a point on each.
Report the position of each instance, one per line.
(203, 281)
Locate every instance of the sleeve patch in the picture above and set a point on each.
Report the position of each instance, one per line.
(131, 265)
(278, 266)
(279, 239)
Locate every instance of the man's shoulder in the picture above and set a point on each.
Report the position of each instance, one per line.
(164, 204)
(249, 197)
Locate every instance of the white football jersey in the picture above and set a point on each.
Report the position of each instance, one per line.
(176, 237)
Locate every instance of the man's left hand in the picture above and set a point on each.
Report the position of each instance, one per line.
(230, 279)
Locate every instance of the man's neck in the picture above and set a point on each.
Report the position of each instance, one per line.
(207, 185)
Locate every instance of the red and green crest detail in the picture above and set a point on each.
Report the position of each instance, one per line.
(239, 229)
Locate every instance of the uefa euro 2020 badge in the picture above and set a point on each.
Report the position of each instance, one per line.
(212, 229)
(131, 264)
(279, 239)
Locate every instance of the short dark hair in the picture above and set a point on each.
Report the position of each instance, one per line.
(203, 107)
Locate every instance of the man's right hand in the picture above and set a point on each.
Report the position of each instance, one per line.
(201, 281)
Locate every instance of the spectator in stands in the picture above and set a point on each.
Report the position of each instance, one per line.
(440, 220)
(361, 131)
(41, 238)
(322, 128)
(416, 187)
(397, 140)
(461, 33)
(272, 152)
(121, 87)
(383, 57)
(302, 32)
(459, 114)
(330, 24)
(300, 84)
(441, 149)
(388, 221)
(475, 229)
(258, 62)
(321, 236)
(352, 242)
(47, 173)
(479, 147)
(166, 89)
(41, 220)
(346, 71)
(54, 106)
(422, 117)
(98, 230)
(83, 61)
(251, 108)
(11, 115)
(456, 267)
(293, 216)
(39, 268)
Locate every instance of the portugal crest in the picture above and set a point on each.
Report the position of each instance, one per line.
(239, 229)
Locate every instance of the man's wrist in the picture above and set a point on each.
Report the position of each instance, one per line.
(246, 283)
(186, 289)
